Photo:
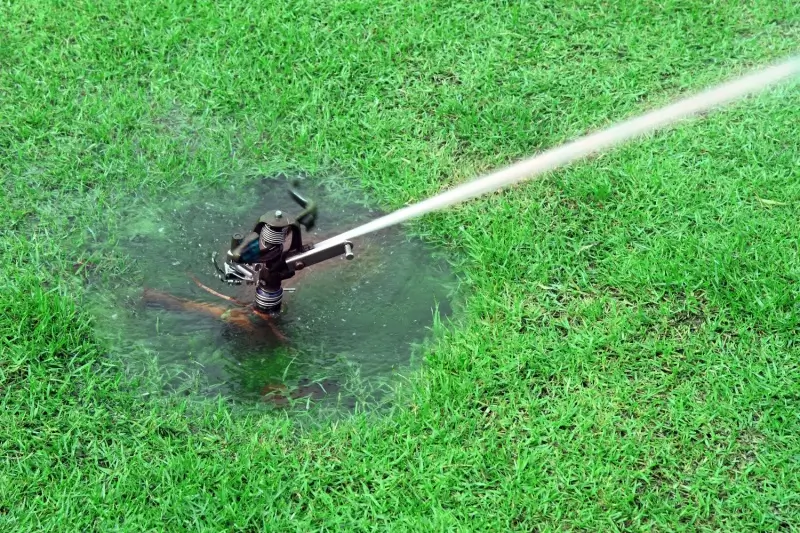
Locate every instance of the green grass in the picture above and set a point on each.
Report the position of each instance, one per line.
(625, 356)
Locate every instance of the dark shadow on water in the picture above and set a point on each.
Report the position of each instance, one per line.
(349, 326)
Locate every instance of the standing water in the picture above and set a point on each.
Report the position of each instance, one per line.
(348, 326)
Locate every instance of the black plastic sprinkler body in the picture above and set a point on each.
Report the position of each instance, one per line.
(268, 254)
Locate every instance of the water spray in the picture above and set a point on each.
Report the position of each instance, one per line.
(578, 149)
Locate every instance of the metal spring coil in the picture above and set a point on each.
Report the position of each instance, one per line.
(268, 301)
(270, 237)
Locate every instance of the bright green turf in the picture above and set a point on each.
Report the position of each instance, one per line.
(626, 355)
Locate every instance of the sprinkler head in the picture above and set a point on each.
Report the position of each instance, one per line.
(273, 251)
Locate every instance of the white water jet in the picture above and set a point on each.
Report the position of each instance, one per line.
(578, 149)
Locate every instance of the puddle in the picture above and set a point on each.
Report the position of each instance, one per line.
(349, 327)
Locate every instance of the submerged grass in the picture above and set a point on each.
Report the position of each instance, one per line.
(627, 356)
(347, 321)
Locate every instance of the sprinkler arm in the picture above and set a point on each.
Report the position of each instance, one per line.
(237, 273)
(314, 255)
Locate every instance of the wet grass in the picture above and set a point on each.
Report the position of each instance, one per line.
(627, 353)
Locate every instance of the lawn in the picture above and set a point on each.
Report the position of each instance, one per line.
(624, 355)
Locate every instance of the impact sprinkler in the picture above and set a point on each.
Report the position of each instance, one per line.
(273, 251)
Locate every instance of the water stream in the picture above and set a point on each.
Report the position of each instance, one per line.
(562, 155)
